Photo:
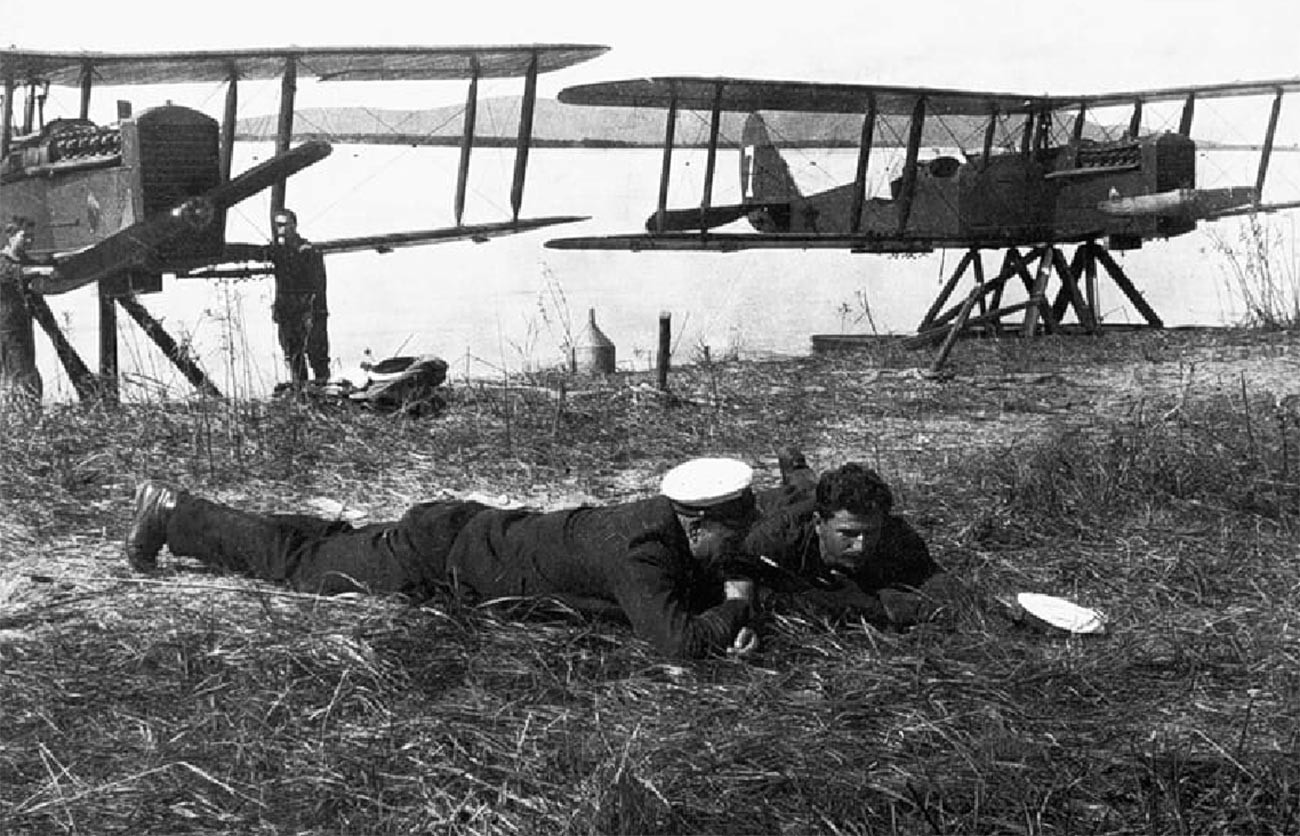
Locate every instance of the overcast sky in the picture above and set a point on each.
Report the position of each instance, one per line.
(1044, 46)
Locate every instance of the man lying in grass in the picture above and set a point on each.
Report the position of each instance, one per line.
(649, 560)
(832, 546)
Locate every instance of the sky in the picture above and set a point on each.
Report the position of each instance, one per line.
(1048, 46)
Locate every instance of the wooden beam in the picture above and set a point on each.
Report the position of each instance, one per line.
(666, 167)
(1266, 152)
(908, 189)
(1038, 296)
(929, 319)
(957, 326)
(1070, 291)
(525, 138)
(78, 372)
(865, 141)
(1122, 281)
(228, 120)
(466, 141)
(284, 125)
(107, 342)
(173, 351)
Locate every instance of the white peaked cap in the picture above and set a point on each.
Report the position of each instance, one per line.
(704, 483)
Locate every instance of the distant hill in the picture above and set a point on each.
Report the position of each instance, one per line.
(559, 125)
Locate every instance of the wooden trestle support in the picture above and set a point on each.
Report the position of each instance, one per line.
(1077, 291)
(104, 386)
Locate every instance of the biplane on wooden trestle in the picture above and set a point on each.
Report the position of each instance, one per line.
(122, 204)
(1027, 174)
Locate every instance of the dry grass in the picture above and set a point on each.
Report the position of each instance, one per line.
(1152, 476)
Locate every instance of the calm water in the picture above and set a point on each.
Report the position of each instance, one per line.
(511, 303)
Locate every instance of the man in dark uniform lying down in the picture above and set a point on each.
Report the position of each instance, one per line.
(646, 560)
(833, 546)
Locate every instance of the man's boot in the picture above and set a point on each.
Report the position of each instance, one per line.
(154, 503)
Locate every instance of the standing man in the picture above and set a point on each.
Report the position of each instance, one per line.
(653, 562)
(20, 380)
(300, 310)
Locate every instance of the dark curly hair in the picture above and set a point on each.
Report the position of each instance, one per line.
(853, 487)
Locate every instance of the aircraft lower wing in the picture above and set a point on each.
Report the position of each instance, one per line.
(465, 232)
(734, 242)
(134, 245)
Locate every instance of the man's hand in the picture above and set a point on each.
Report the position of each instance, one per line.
(738, 589)
(746, 642)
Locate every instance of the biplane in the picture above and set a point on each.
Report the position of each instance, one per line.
(122, 204)
(1027, 174)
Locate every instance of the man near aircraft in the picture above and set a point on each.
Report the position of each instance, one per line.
(300, 311)
(20, 380)
(651, 561)
(833, 545)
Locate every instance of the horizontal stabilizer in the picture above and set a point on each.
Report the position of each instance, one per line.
(1191, 204)
(135, 245)
(469, 232)
(701, 218)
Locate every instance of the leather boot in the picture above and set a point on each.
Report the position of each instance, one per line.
(154, 503)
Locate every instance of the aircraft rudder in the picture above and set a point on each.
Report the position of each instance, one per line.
(764, 175)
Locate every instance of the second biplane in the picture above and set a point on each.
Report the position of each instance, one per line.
(124, 203)
(1035, 175)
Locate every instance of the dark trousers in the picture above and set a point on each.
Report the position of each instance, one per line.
(322, 556)
(304, 339)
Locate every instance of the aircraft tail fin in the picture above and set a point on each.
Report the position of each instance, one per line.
(764, 175)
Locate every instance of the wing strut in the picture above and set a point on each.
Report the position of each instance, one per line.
(990, 131)
(525, 136)
(1135, 122)
(467, 140)
(284, 127)
(1267, 151)
(1080, 120)
(661, 216)
(1189, 110)
(86, 71)
(711, 161)
(228, 119)
(865, 141)
(908, 190)
(6, 132)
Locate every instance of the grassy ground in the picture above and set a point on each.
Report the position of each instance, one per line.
(1151, 476)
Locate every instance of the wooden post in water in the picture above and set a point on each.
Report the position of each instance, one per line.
(665, 348)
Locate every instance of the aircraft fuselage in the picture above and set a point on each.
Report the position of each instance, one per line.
(1007, 199)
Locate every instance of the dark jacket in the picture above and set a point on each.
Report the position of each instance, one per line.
(899, 583)
(632, 558)
(300, 279)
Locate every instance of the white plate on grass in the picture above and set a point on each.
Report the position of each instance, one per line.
(1061, 614)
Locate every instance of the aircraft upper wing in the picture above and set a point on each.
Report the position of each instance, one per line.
(748, 95)
(408, 63)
